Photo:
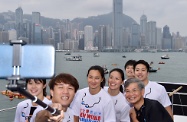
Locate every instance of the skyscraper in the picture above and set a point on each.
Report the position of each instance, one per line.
(19, 22)
(166, 40)
(88, 37)
(143, 24)
(36, 17)
(19, 15)
(143, 30)
(117, 24)
(36, 28)
(151, 32)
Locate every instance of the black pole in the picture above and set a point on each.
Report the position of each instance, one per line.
(39, 102)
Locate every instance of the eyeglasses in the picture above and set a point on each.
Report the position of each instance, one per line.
(87, 105)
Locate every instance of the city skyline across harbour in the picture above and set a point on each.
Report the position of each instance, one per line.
(174, 70)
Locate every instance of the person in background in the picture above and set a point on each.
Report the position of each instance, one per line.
(129, 69)
(153, 90)
(115, 82)
(93, 103)
(146, 110)
(26, 110)
(62, 89)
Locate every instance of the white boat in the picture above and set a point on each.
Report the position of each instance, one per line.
(178, 94)
(74, 58)
(106, 71)
(96, 54)
(165, 57)
(68, 53)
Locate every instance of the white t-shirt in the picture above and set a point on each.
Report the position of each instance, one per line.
(155, 91)
(121, 106)
(23, 110)
(93, 108)
(68, 116)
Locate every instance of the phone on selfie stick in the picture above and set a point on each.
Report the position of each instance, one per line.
(19, 61)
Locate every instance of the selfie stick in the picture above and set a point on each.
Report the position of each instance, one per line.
(15, 86)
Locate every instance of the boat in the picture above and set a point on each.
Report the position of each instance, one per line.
(106, 71)
(123, 56)
(74, 58)
(12, 95)
(165, 57)
(96, 54)
(68, 53)
(152, 69)
(161, 62)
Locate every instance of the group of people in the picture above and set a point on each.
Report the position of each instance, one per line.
(134, 99)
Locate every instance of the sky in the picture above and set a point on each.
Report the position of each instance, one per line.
(165, 12)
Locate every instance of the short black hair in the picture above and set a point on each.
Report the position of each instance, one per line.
(142, 62)
(129, 62)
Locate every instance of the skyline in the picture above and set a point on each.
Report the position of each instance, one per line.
(169, 12)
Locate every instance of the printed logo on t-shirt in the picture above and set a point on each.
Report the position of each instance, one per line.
(87, 115)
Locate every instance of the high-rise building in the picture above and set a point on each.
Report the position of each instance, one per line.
(143, 24)
(117, 24)
(36, 17)
(102, 34)
(12, 34)
(19, 22)
(158, 38)
(135, 42)
(143, 31)
(151, 32)
(37, 34)
(166, 40)
(19, 15)
(88, 37)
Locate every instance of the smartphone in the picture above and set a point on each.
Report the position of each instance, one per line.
(36, 61)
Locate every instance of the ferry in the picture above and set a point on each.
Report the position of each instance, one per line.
(74, 58)
(96, 54)
(165, 57)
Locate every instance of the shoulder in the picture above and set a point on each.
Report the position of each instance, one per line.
(155, 85)
(152, 102)
(24, 103)
(47, 101)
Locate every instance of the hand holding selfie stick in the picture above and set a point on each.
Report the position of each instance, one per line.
(15, 86)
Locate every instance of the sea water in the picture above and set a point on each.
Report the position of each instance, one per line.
(174, 70)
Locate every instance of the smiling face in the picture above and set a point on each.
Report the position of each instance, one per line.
(94, 79)
(115, 80)
(133, 94)
(129, 71)
(63, 94)
(141, 73)
(35, 87)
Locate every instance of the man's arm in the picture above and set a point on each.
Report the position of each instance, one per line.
(169, 110)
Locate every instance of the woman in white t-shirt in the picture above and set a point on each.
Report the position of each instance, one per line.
(26, 110)
(115, 82)
(93, 103)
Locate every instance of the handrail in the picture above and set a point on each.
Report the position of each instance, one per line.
(175, 91)
(5, 109)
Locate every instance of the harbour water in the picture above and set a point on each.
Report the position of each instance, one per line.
(174, 70)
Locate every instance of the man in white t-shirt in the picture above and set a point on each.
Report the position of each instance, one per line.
(153, 90)
(62, 89)
(129, 69)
